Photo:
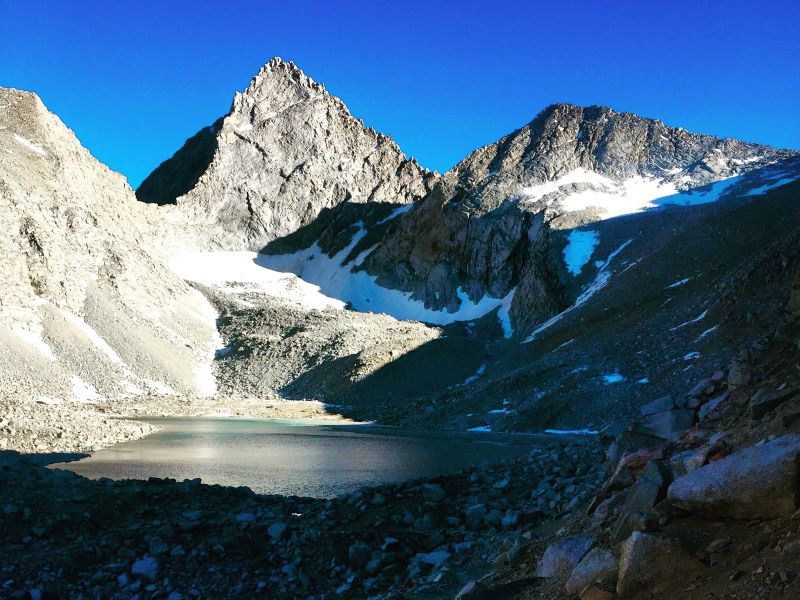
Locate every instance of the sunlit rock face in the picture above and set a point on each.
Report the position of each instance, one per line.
(286, 150)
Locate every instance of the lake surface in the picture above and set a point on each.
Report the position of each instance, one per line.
(296, 457)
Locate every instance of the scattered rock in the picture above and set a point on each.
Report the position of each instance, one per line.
(649, 566)
(598, 566)
(563, 555)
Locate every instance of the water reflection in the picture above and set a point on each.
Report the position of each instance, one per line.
(293, 458)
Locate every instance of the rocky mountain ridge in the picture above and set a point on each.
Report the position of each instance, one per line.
(286, 150)
(89, 312)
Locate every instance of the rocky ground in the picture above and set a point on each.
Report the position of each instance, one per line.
(67, 537)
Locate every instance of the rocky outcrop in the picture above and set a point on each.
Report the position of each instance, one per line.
(88, 310)
(650, 566)
(286, 150)
(757, 482)
(485, 225)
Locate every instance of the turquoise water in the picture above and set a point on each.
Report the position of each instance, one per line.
(295, 457)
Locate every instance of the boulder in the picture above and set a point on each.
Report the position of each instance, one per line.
(757, 482)
(764, 401)
(562, 556)
(359, 554)
(642, 497)
(712, 405)
(433, 493)
(598, 565)
(658, 405)
(667, 425)
(650, 565)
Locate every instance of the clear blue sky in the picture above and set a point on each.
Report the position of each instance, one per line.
(135, 79)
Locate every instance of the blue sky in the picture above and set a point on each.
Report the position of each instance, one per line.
(135, 79)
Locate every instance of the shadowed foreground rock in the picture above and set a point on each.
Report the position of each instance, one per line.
(757, 482)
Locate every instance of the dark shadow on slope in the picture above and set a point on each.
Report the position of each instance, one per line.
(179, 174)
(738, 255)
(333, 229)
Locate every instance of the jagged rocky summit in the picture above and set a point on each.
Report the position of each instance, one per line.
(286, 150)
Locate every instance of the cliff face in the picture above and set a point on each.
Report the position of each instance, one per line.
(88, 311)
(286, 150)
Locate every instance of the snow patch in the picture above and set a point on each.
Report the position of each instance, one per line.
(240, 272)
(614, 377)
(771, 186)
(698, 318)
(336, 279)
(600, 281)
(678, 283)
(579, 249)
(691, 356)
(473, 378)
(34, 338)
(396, 213)
(504, 316)
(482, 428)
(93, 336)
(571, 432)
(82, 391)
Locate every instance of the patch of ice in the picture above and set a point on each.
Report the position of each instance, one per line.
(632, 195)
(396, 213)
(482, 428)
(504, 316)
(643, 380)
(579, 249)
(500, 411)
(30, 145)
(600, 281)
(691, 356)
(614, 377)
(336, 279)
(700, 317)
(571, 432)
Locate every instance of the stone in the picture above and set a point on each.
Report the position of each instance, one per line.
(146, 567)
(701, 388)
(642, 497)
(757, 482)
(276, 531)
(712, 405)
(667, 425)
(563, 555)
(359, 555)
(594, 593)
(766, 400)
(598, 566)
(433, 493)
(739, 373)
(649, 566)
(658, 405)
(689, 460)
